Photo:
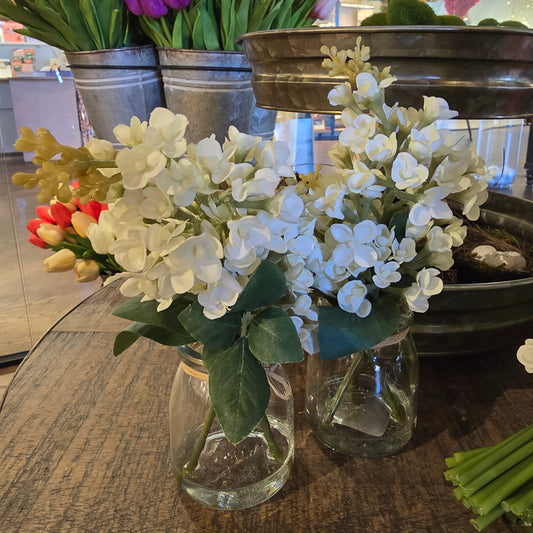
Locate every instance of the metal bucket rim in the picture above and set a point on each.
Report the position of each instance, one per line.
(110, 50)
(497, 30)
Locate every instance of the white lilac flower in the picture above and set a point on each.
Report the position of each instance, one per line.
(430, 206)
(407, 172)
(384, 242)
(181, 181)
(331, 201)
(341, 95)
(381, 148)
(457, 231)
(274, 155)
(197, 259)
(243, 144)
(386, 274)
(130, 135)
(404, 251)
(359, 128)
(451, 174)
(262, 185)
(354, 244)
(352, 298)
(102, 235)
(473, 198)
(525, 355)
(218, 297)
(436, 108)
(298, 277)
(166, 132)
(303, 306)
(138, 165)
(287, 205)
(130, 252)
(362, 180)
(429, 282)
(102, 150)
(245, 236)
(438, 240)
(156, 205)
(423, 143)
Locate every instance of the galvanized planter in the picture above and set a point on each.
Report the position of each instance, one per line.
(483, 72)
(116, 85)
(212, 88)
(482, 317)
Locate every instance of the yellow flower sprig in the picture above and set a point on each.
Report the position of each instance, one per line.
(54, 175)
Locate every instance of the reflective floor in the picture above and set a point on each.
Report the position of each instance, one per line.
(31, 300)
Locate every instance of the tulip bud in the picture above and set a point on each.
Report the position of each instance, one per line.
(51, 234)
(81, 221)
(86, 270)
(61, 261)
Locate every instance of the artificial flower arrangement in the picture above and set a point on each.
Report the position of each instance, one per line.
(215, 24)
(224, 245)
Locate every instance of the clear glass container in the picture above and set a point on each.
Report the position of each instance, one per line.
(364, 405)
(207, 466)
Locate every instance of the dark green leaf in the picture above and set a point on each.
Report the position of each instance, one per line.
(341, 333)
(135, 331)
(273, 337)
(399, 222)
(266, 285)
(210, 30)
(238, 387)
(216, 334)
(147, 313)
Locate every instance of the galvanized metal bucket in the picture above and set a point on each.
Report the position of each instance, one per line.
(476, 318)
(116, 85)
(212, 88)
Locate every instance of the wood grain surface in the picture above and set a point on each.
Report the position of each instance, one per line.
(84, 444)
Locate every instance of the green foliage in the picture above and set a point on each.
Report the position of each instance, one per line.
(488, 22)
(410, 12)
(238, 387)
(208, 25)
(377, 19)
(73, 25)
(265, 287)
(216, 334)
(513, 23)
(273, 338)
(341, 333)
(451, 20)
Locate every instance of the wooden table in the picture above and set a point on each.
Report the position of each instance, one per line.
(84, 444)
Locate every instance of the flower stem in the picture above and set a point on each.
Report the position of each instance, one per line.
(273, 446)
(335, 402)
(192, 463)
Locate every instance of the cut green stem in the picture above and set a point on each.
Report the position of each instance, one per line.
(273, 446)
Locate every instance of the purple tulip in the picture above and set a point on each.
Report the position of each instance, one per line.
(322, 9)
(154, 8)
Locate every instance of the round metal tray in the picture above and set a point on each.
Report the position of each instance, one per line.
(483, 72)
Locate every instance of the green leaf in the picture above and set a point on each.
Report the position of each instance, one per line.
(266, 285)
(216, 334)
(341, 333)
(197, 33)
(135, 331)
(399, 222)
(210, 30)
(273, 338)
(147, 313)
(92, 23)
(258, 14)
(238, 387)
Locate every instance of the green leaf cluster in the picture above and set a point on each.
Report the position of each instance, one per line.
(73, 25)
(235, 345)
(215, 24)
(341, 333)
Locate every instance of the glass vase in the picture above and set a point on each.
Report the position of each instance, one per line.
(364, 405)
(207, 466)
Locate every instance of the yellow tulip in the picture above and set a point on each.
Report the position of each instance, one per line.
(61, 261)
(51, 234)
(81, 221)
(86, 270)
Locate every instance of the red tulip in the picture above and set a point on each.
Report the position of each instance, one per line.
(61, 214)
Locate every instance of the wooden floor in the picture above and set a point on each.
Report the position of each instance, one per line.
(31, 300)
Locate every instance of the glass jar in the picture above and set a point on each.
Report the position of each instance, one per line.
(207, 466)
(364, 405)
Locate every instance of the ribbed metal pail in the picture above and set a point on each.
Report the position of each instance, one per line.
(116, 85)
(212, 88)
(482, 317)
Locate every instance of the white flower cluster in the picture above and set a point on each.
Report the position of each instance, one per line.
(199, 218)
(383, 222)
(196, 218)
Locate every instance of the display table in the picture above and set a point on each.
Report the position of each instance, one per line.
(84, 444)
